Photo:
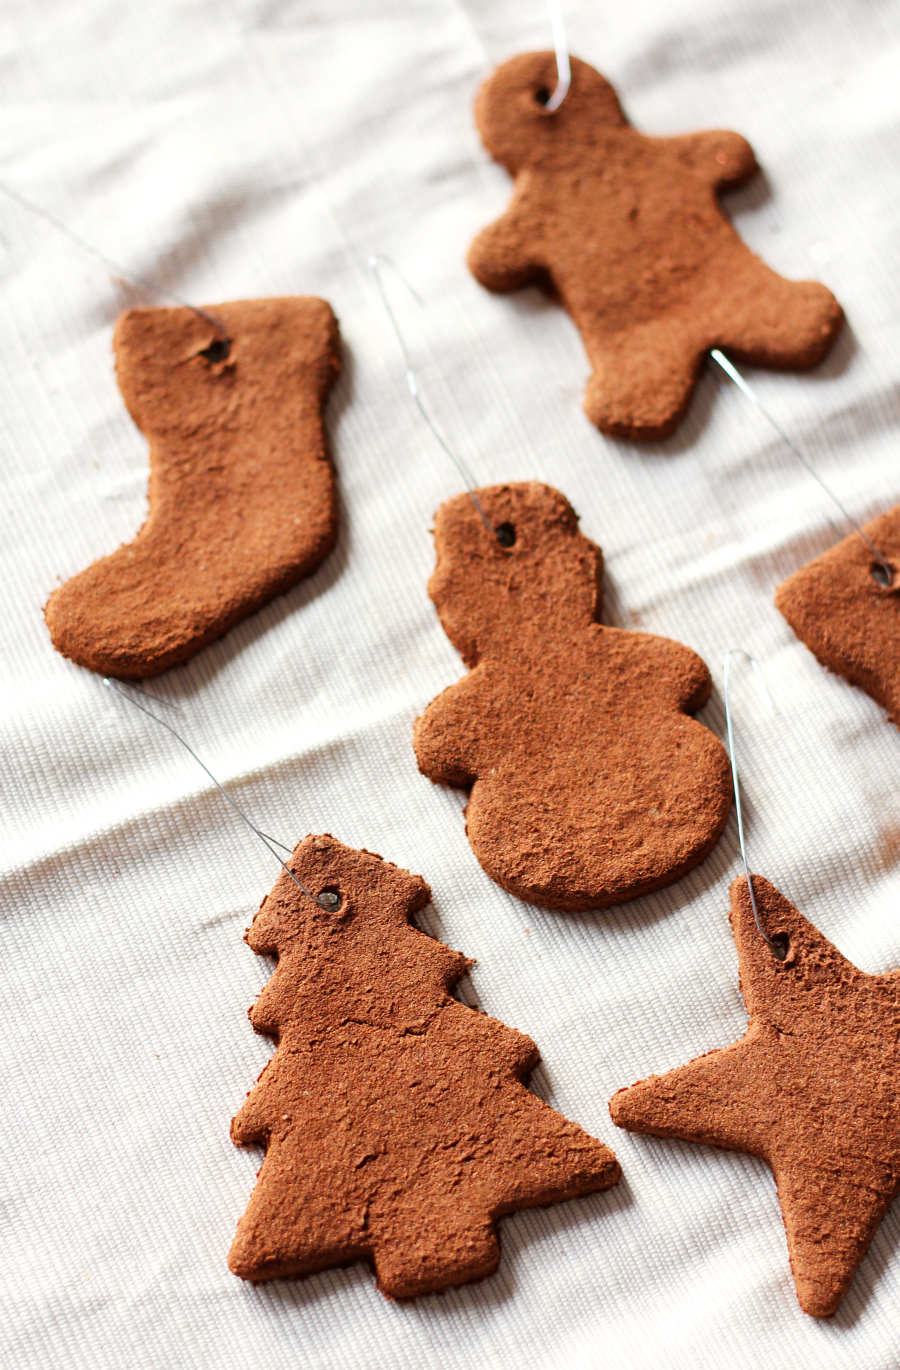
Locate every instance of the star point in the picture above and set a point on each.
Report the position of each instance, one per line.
(811, 1088)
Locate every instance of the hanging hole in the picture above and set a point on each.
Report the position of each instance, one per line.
(882, 575)
(542, 96)
(506, 535)
(780, 946)
(217, 351)
(330, 901)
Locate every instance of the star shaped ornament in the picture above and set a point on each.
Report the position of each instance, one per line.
(813, 1088)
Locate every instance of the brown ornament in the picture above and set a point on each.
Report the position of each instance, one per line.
(243, 503)
(589, 783)
(627, 231)
(396, 1124)
(811, 1088)
(848, 617)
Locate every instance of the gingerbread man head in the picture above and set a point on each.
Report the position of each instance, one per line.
(512, 116)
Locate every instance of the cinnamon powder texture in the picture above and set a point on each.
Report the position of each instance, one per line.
(627, 230)
(589, 782)
(396, 1123)
(847, 617)
(811, 1088)
(243, 502)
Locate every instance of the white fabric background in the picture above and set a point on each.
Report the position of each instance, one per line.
(257, 147)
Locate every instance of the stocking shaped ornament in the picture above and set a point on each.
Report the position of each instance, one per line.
(242, 492)
(589, 782)
(396, 1125)
(811, 1088)
(627, 231)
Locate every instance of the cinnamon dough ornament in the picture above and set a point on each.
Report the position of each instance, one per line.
(811, 1088)
(589, 784)
(847, 616)
(242, 492)
(396, 1125)
(627, 230)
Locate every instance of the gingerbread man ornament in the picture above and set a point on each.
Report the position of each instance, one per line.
(628, 231)
(589, 784)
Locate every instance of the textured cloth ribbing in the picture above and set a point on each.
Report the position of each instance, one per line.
(264, 147)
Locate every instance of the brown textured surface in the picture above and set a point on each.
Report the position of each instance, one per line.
(396, 1125)
(629, 233)
(242, 491)
(589, 784)
(845, 617)
(812, 1089)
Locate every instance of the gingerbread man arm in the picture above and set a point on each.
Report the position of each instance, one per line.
(447, 735)
(504, 256)
(722, 158)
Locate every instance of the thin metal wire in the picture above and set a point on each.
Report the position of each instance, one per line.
(375, 267)
(563, 67)
(777, 948)
(732, 371)
(325, 901)
(157, 699)
(277, 843)
(108, 262)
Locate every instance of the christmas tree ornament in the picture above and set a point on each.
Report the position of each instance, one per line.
(589, 783)
(243, 502)
(626, 230)
(396, 1123)
(810, 1088)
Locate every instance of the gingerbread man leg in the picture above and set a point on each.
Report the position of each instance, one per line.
(773, 322)
(641, 387)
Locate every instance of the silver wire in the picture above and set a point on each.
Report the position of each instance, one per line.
(375, 267)
(329, 899)
(776, 948)
(157, 699)
(563, 67)
(108, 262)
(732, 371)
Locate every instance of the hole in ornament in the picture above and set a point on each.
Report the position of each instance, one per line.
(780, 945)
(217, 351)
(882, 575)
(542, 96)
(506, 535)
(330, 901)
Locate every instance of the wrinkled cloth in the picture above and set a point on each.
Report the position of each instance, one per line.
(264, 147)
